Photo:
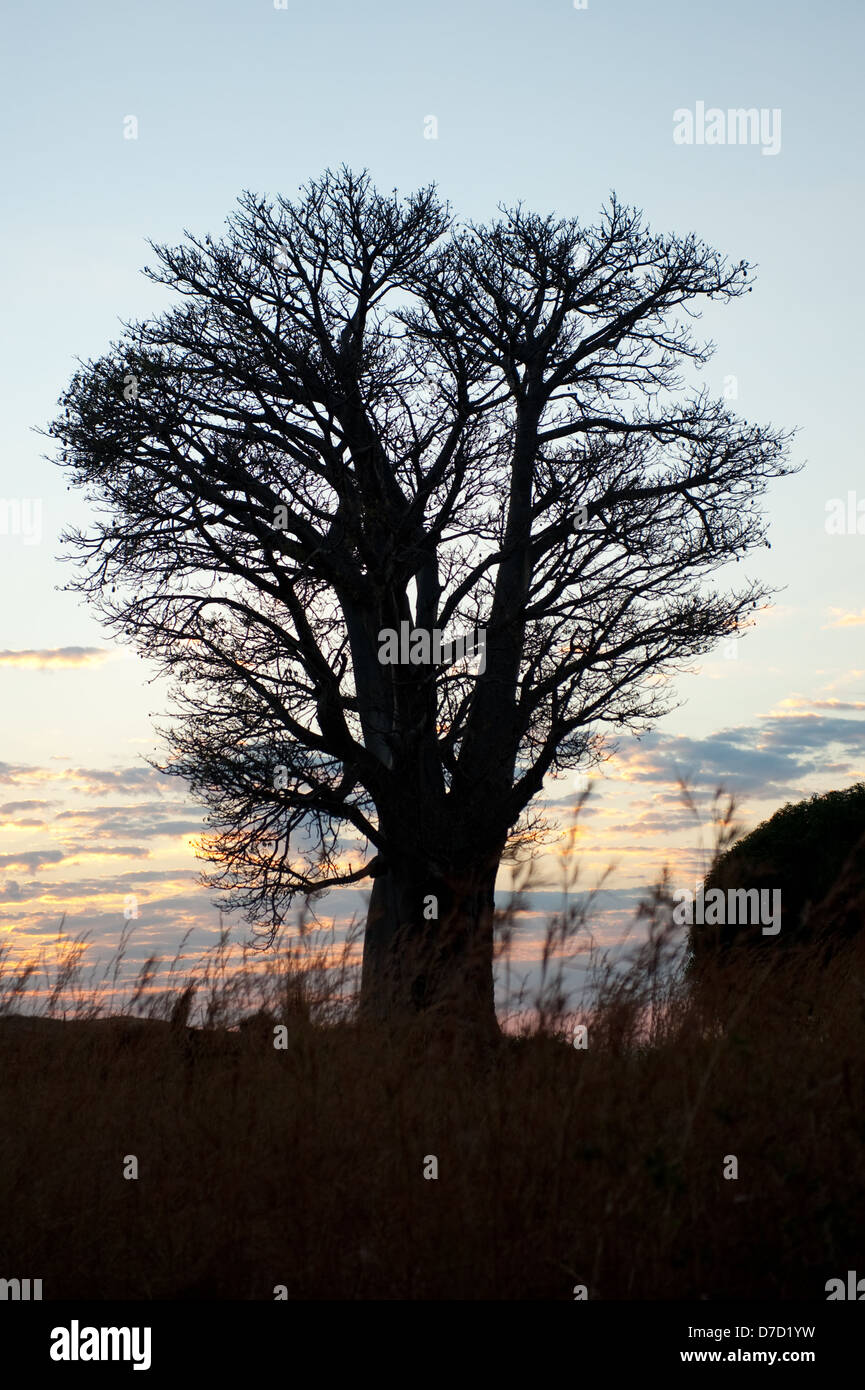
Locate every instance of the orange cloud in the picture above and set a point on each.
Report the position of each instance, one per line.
(52, 657)
(846, 619)
(796, 705)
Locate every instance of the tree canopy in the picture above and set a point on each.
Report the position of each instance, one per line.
(361, 414)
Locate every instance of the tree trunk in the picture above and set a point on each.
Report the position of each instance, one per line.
(428, 950)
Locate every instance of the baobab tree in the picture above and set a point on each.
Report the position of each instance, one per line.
(363, 433)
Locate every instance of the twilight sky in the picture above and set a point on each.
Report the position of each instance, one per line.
(540, 102)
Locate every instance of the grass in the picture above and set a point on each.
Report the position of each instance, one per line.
(303, 1167)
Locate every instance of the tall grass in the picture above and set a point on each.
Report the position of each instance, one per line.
(303, 1167)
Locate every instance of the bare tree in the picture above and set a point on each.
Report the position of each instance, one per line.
(363, 419)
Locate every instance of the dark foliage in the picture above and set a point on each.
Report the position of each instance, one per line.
(812, 851)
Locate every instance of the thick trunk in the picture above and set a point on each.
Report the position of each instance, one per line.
(428, 950)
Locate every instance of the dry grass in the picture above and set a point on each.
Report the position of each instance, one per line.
(303, 1167)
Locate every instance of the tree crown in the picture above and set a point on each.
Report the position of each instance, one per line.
(361, 418)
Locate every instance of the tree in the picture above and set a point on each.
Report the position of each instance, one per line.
(364, 419)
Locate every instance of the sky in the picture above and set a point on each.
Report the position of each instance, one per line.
(126, 123)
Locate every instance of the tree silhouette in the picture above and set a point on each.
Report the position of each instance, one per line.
(812, 852)
(363, 418)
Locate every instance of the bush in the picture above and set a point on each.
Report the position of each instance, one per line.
(808, 850)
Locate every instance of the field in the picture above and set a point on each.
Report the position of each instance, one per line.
(299, 1170)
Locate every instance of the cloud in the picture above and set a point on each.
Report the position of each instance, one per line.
(116, 851)
(726, 759)
(807, 733)
(763, 761)
(77, 891)
(20, 772)
(795, 703)
(49, 658)
(146, 820)
(96, 781)
(843, 619)
(31, 859)
(25, 815)
(38, 858)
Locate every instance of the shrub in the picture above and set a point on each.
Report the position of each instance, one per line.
(808, 850)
